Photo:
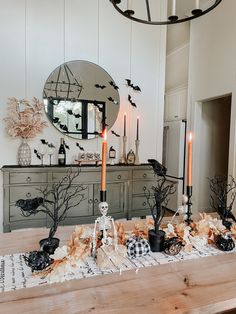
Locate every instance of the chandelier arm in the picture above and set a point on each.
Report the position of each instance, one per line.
(135, 19)
(148, 11)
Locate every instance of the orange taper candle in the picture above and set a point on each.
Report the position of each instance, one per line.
(189, 169)
(104, 160)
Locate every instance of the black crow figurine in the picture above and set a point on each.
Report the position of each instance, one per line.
(30, 205)
(158, 168)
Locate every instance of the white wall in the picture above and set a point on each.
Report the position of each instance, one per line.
(37, 36)
(212, 72)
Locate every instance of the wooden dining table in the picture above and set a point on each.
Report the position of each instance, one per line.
(204, 285)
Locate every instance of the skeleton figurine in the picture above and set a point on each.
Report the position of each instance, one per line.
(104, 223)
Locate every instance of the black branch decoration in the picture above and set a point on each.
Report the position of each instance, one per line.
(134, 87)
(223, 195)
(158, 196)
(56, 200)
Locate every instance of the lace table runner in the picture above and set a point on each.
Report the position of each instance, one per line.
(14, 274)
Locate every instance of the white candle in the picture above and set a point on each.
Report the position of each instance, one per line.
(189, 165)
(125, 124)
(173, 7)
(137, 134)
(104, 161)
(129, 5)
(197, 4)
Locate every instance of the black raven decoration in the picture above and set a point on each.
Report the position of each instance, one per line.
(80, 147)
(158, 168)
(135, 87)
(29, 206)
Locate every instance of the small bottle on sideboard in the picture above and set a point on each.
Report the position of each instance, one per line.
(62, 154)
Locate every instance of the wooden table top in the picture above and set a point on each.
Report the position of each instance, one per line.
(205, 285)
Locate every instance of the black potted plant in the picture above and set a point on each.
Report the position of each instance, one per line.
(222, 198)
(56, 200)
(158, 199)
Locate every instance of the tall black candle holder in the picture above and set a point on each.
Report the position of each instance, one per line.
(103, 196)
(189, 205)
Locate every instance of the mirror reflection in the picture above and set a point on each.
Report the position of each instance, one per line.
(80, 98)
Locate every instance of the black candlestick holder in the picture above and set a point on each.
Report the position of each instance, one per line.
(103, 196)
(189, 204)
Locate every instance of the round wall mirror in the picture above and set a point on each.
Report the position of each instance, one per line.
(80, 98)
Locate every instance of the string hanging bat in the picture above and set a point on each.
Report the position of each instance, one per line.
(113, 85)
(131, 101)
(114, 133)
(134, 87)
(100, 86)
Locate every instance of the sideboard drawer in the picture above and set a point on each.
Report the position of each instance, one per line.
(140, 203)
(83, 177)
(117, 176)
(27, 177)
(142, 187)
(143, 174)
(23, 192)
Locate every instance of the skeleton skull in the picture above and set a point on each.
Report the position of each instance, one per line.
(103, 207)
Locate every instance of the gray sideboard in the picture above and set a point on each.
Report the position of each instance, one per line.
(126, 186)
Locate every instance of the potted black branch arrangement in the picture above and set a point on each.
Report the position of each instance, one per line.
(56, 200)
(223, 195)
(158, 199)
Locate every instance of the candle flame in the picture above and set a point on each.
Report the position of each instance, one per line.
(190, 138)
(104, 134)
(138, 117)
(125, 113)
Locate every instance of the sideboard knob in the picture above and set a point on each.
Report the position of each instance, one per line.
(144, 188)
(96, 200)
(28, 195)
(144, 175)
(119, 177)
(90, 201)
(144, 203)
(28, 179)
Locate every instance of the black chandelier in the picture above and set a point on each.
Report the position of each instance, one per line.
(178, 10)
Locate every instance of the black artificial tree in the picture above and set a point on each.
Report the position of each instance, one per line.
(223, 196)
(56, 200)
(158, 197)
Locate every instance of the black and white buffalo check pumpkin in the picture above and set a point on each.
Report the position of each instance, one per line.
(137, 247)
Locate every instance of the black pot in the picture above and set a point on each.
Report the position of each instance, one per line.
(49, 245)
(156, 240)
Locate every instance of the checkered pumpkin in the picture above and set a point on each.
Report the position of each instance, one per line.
(137, 247)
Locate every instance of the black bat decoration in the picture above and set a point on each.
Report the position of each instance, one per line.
(113, 85)
(66, 146)
(37, 154)
(114, 133)
(80, 147)
(51, 145)
(131, 101)
(56, 120)
(43, 141)
(100, 86)
(70, 112)
(77, 115)
(112, 100)
(135, 87)
(64, 127)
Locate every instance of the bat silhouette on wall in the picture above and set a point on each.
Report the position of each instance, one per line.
(113, 85)
(66, 145)
(63, 127)
(131, 101)
(100, 86)
(114, 133)
(112, 100)
(37, 154)
(56, 120)
(135, 87)
(80, 147)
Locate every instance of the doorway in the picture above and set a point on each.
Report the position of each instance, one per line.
(214, 136)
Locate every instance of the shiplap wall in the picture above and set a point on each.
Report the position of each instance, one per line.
(37, 36)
